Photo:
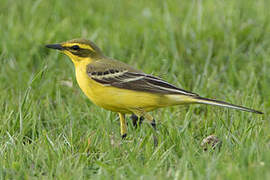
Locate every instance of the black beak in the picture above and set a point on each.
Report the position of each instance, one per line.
(55, 46)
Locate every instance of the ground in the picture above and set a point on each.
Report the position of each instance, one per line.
(218, 49)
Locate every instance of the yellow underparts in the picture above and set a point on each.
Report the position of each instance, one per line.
(123, 100)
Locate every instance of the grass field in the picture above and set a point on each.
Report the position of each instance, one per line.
(219, 49)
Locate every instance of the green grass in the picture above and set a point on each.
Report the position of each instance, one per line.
(219, 49)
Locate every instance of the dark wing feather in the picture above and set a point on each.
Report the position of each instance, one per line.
(136, 81)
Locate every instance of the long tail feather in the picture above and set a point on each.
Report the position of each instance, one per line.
(202, 100)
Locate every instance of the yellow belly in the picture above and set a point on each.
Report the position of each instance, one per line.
(116, 99)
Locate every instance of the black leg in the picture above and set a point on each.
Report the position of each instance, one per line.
(141, 120)
(124, 136)
(149, 118)
(135, 119)
(153, 124)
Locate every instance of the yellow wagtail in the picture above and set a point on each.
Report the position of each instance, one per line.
(118, 87)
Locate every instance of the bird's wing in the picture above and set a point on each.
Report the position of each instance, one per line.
(124, 77)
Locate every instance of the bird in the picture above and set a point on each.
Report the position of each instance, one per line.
(118, 87)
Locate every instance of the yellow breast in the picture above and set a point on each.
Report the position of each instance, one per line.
(116, 99)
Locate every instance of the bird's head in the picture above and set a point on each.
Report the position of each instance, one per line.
(79, 50)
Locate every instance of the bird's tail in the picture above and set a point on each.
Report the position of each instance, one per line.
(202, 100)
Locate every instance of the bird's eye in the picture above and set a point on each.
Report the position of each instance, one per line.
(75, 47)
